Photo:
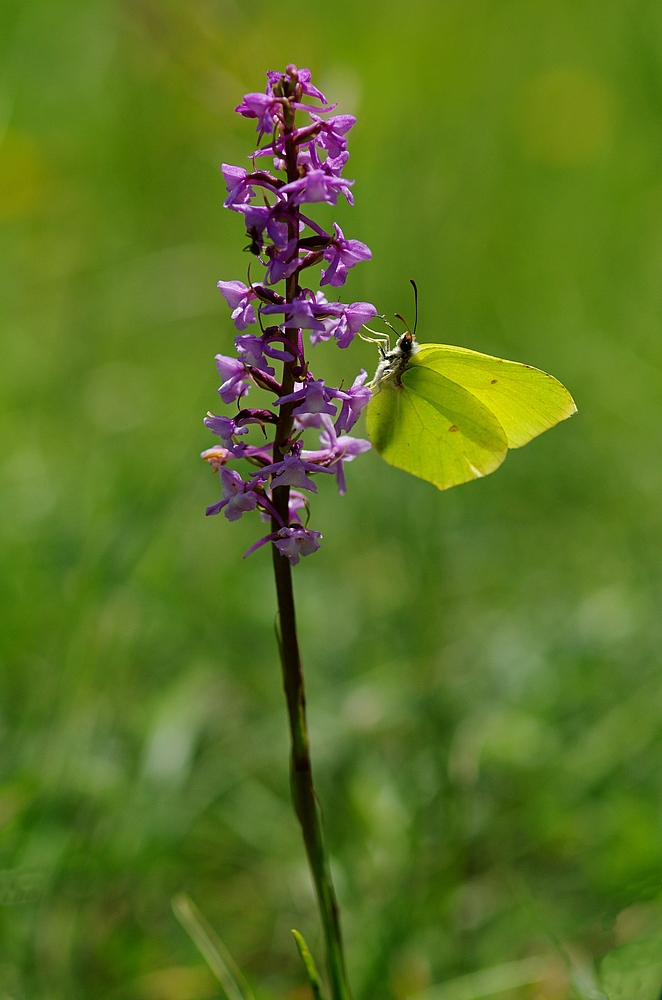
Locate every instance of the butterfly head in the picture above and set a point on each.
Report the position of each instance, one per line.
(406, 344)
(393, 362)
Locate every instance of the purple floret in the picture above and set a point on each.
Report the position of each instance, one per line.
(354, 402)
(312, 397)
(238, 296)
(342, 254)
(295, 542)
(238, 496)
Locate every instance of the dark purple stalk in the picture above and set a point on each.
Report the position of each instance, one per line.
(305, 800)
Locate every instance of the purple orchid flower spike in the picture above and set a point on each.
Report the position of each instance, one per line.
(309, 161)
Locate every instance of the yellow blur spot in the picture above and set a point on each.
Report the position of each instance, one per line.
(409, 974)
(178, 983)
(22, 176)
(566, 117)
(301, 992)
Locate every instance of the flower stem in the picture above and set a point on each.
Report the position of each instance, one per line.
(306, 804)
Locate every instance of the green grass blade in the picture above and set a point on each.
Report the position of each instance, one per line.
(211, 948)
(311, 968)
(488, 982)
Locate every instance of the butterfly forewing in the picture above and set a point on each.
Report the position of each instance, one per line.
(525, 400)
(433, 428)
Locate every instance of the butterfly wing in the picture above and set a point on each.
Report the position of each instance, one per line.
(525, 400)
(435, 429)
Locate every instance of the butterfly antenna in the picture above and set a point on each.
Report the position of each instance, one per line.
(415, 287)
(403, 320)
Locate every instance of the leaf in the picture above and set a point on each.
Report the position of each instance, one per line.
(634, 971)
(311, 968)
(211, 948)
(488, 982)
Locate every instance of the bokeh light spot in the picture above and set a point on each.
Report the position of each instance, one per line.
(22, 176)
(566, 117)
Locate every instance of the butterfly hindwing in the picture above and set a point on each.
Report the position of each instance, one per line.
(435, 429)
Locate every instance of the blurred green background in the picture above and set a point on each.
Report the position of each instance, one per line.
(483, 665)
